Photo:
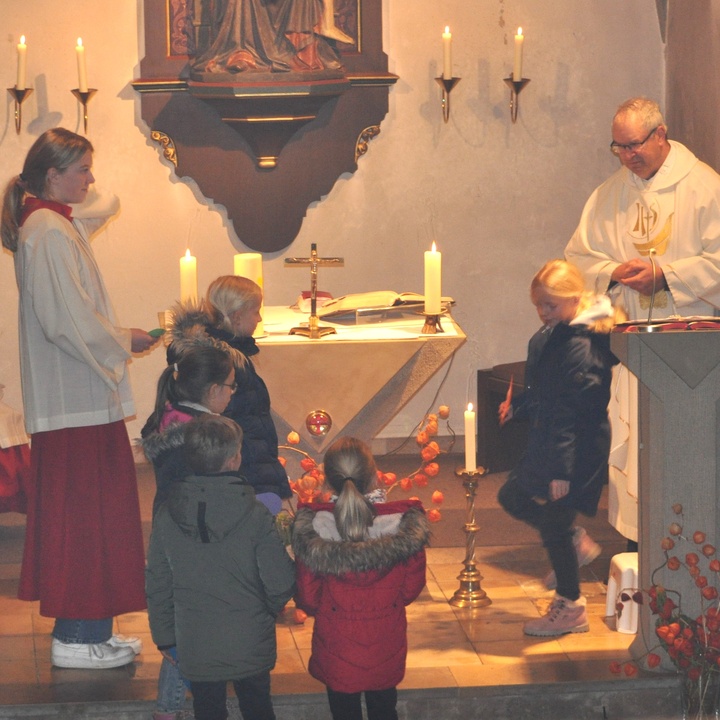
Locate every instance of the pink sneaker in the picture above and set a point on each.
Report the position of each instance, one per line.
(563, 616)
(586, 550)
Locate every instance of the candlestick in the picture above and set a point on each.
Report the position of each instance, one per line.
(19, 96)
(81, 66)
(188, 278)
(517, 65)
(21, 64)
(470, 453)
(516, 87)
(447, 53)
(433, 275)
(249, 265)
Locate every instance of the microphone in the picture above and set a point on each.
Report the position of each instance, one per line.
(651, 255)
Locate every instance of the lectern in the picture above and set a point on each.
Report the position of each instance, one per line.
(679, 386)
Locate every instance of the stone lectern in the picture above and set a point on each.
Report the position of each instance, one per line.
(679, 387)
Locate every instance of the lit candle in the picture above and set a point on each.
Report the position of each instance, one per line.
(517, 65)
(470, 460)
(433, 275)
(22, 64)
(447, 54)
(188, 278)
(249, 265)
(82, 67)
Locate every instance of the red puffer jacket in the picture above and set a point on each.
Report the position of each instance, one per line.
(358, 591)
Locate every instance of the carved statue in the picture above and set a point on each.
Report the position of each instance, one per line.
(270, 36)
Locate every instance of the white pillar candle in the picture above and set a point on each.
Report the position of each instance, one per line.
(433, 281)
(188, 278)
(20, 84)
(82, 66)
(517, 65)
(470, 454)
(249, 265)
(447, 54)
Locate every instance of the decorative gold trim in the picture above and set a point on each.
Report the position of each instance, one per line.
(364, 138)
(168, 144)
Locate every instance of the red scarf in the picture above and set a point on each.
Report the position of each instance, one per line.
(32, 204)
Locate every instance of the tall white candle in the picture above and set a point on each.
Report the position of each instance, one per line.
(470, 455)
(21, 64)
(82, 66)
(188, 278)
(447, 54)
(433, 281)
(517, 65)
(249, 265)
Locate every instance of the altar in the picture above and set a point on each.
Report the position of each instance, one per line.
(361, 376)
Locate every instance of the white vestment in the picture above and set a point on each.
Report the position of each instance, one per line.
(676, 213)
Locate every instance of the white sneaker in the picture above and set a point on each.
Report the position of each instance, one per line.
(586, 550)
(127, 641)
(88, 656)
(563, 616)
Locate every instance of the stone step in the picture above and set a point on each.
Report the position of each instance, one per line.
(649, 697)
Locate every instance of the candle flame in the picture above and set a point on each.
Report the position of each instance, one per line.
(187, 254)
(434, 247)
(447, 28)
(79, 42)
(22, 39)
(519, 32)
(470, 407)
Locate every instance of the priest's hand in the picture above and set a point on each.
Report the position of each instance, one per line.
(637, 274)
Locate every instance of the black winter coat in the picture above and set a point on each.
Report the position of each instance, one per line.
(567, 376)
(250, 404)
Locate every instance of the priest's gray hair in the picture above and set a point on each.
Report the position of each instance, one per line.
(646, 109)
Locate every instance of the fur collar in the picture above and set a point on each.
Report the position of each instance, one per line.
(157, 443)
(189, 329)
(329, 557)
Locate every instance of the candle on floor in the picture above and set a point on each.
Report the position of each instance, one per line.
(470, 454)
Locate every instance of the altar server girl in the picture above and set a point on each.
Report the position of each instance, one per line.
(359, 561)
(83, 557)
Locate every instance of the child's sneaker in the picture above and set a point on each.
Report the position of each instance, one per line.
(586, 550)
(563, 616)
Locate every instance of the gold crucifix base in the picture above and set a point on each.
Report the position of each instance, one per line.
(314, 330)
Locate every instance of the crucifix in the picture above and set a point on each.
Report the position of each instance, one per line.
(314, 330)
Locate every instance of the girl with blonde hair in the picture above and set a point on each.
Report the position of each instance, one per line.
(565, 464)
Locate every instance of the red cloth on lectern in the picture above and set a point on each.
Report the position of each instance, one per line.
(14, 478)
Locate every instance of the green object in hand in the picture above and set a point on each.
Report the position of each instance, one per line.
(157, 332)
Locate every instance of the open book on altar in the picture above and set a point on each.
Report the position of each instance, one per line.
(377, 302)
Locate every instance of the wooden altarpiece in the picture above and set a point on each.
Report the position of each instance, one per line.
(264, 145)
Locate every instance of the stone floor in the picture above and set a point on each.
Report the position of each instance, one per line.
(459, 660)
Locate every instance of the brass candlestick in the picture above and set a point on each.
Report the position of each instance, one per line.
(516, 87)
(84, 97)
(447, 84)
(19, 96)
(432, 323)
(470, 593)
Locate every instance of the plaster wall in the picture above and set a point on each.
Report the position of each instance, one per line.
(498, 198)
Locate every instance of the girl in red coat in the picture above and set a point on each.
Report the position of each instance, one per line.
(360, 561)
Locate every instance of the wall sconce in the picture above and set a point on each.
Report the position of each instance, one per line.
(516, 87)
(83, 97)
(19, 96)
(447, 84)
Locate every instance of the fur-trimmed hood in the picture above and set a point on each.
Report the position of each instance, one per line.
(330, 557)
(192, 326)
(157, 443)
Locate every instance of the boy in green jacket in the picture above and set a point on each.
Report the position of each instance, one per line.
(217, 576)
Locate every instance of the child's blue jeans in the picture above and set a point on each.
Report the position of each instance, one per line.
(172, 686)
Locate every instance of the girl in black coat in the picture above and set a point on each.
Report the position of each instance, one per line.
(227, 319)
(565, 465)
